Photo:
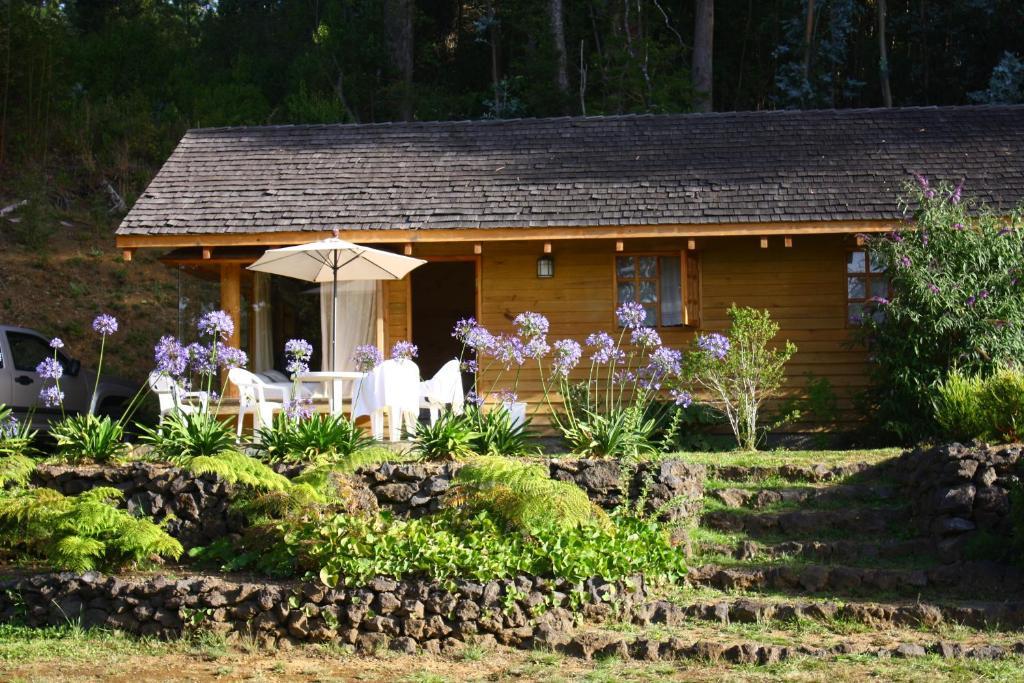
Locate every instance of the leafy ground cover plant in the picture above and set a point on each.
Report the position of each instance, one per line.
(317, 438)
(88, 438)
(973, 407)
(16, 436)
(738, 372)
(498, 433)
(450, 438)
(79, 533)
(957, 302)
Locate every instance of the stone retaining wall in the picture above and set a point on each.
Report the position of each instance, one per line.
(957, 491)
(406, 616)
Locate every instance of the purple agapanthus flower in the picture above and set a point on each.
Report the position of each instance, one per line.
(715, 345)
(646, 337)
(983, 294)
(56, 343)
(880, 300)
(404, 350)
(531, 325)
(536, 348)
(957, 193)
(933, 288)
(469, 365)
(922, 181)
(666, 362)
(567, 356)
(623, 377)
(508, 350)
(170, 356)
(905, 261)
(200, 359)
(105, 324)
(631, 315)
(958, 226)
(51, 396)
(604, 351)
(681, 398)
(298, 352)
(299, 409)
(895, 236)
(463, 327)
(971, 300)
(366, 357)
(229, 357)
(474, 399)
(216, 323)
(50, 368)
(508, 397)
(9, 428)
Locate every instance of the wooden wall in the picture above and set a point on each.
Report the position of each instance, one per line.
(803, 286)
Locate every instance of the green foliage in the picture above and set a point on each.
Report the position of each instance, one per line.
(190, 435)
(521, 495)
(497, 433)
(234, 468)
(620, 433)
(16, 437)
(350, 550)
(972, 407)
(738, 382)
(957, 303)
(15, 470)
(88, 438)
(320, 438)
(79, 533)
(450, 438)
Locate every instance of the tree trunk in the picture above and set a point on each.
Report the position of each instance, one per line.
(556, 14)
(703, 43)
(883, 55)
(808, 40)
(399, 17)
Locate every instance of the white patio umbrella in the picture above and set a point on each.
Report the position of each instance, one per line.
(331, 260)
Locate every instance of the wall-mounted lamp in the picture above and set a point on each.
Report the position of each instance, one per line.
(546, 266)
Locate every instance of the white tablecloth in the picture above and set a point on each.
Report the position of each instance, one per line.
(393, 384)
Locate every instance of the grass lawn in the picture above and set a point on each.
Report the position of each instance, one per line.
(777, 458)
(71, 654)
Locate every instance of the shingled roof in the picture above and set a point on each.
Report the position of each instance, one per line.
(758, 167)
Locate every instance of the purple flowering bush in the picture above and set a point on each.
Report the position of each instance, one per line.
(738, 372)
(957, 303)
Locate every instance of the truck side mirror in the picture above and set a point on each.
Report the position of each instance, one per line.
(74, 367)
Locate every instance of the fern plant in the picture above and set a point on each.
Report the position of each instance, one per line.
(15, 470)
(521, 494)
(88, 438)
(450, 438)
(80, 533)
(319, 438)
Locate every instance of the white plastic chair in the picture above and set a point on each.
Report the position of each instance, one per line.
(252, 393)
(172, 398)
(392, 387)
(276, 378)
(443, 389)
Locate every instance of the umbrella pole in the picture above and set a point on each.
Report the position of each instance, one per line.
(334, 310)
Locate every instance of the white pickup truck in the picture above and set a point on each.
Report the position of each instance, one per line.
(22, 349)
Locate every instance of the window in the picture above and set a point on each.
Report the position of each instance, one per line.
(865, 279)
(28, 351)
(666, 286)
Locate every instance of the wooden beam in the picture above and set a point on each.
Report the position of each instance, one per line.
(691, 245)
(231, 303)
(619, 246)
(126, 254)
(400, 236)
(764, 242)
(788, 242)
(478, 248)
(547, 247)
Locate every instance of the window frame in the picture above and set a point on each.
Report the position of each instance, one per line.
(867, 275)
(683, 279)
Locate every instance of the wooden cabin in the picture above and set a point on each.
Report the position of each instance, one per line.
(571, 216)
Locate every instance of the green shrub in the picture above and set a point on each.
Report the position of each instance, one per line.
(521, 495)
(738, 372)
(957, 406)
(618, 433)
(16, 437)
(319, 438)
(79, 533)
(956, 302)
(88, 438)
(970, 407)
(450, 438)
(498, 434)
(15, 470)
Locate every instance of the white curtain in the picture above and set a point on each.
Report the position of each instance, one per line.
(356, 320)
(262, 351)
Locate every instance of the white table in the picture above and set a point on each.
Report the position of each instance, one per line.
(335, 379)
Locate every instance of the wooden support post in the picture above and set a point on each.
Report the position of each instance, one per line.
(379, 327)
(691, 245)
(547, 247)
(231, 303)
(478, 248)
(407, 249)
(764, 242)
(788, 241)
(126, 254)
(207, 253)
(619, 246)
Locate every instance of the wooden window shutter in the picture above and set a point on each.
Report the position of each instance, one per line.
(691, 289)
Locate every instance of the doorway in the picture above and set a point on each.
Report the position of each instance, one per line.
(443, 292)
